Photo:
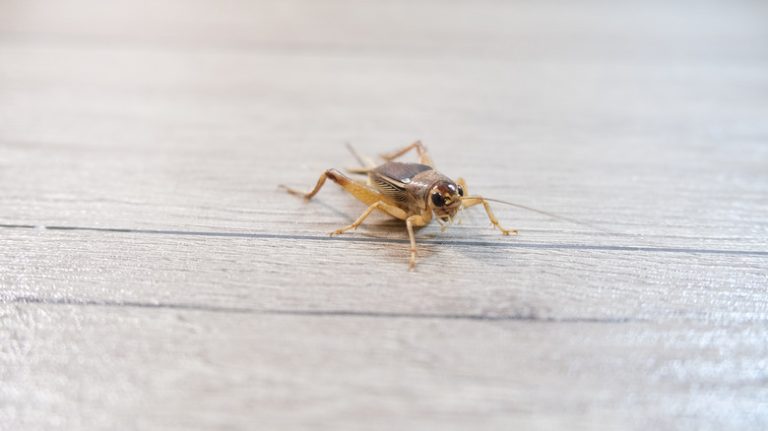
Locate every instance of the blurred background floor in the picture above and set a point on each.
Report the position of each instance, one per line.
(153, 277)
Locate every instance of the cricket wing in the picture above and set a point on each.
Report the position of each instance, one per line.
(392, 189)
(391, 180)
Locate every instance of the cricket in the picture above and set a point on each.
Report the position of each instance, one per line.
(412, 192)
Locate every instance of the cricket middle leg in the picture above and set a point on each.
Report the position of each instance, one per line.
(424, 158)
(410, 222)
(471, 201)
(382, 206)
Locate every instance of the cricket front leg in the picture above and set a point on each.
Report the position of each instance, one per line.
(424, 158)
(463, 183)
(471, 201)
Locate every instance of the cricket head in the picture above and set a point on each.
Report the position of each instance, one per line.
(445, 200)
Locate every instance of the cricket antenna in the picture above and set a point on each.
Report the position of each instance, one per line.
(549, 214)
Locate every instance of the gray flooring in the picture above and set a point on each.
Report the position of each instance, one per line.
(152, 276)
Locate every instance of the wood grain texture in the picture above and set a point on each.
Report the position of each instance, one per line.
(153, 277)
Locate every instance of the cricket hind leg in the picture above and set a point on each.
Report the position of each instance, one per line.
(366, 163)
(421, 150)
(362, 192)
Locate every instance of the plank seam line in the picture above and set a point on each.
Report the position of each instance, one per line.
(499, 244)
(25, 300)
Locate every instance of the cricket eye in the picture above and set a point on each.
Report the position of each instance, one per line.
(461, 191)
(437, 199)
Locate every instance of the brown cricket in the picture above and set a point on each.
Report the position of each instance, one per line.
(412, 192)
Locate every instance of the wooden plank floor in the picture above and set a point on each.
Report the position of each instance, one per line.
(153, 277)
